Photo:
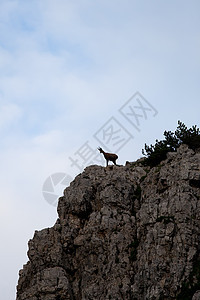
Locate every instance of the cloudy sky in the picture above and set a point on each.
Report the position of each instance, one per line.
(75, 75)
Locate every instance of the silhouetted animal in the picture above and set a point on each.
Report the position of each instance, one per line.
(109, 156)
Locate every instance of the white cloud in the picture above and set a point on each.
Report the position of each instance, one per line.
(65, 69)
(9, 114)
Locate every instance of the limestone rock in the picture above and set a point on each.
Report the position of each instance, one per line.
(123, 232)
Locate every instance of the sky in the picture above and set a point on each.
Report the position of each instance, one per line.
(76, 75)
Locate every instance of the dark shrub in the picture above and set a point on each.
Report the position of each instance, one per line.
(158, 152)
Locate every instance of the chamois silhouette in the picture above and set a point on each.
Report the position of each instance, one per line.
(109, 156)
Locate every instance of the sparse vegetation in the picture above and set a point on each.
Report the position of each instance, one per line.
(158, 152)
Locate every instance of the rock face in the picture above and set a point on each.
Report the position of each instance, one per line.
(123, 233)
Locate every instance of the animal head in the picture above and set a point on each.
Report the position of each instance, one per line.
(100, 150)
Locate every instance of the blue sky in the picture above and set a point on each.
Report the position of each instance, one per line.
(66, 68)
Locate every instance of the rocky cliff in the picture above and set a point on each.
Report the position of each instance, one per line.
(123, 232)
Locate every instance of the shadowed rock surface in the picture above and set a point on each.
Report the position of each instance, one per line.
(123, 233)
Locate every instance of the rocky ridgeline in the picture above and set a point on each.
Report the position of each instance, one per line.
(123, 232)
